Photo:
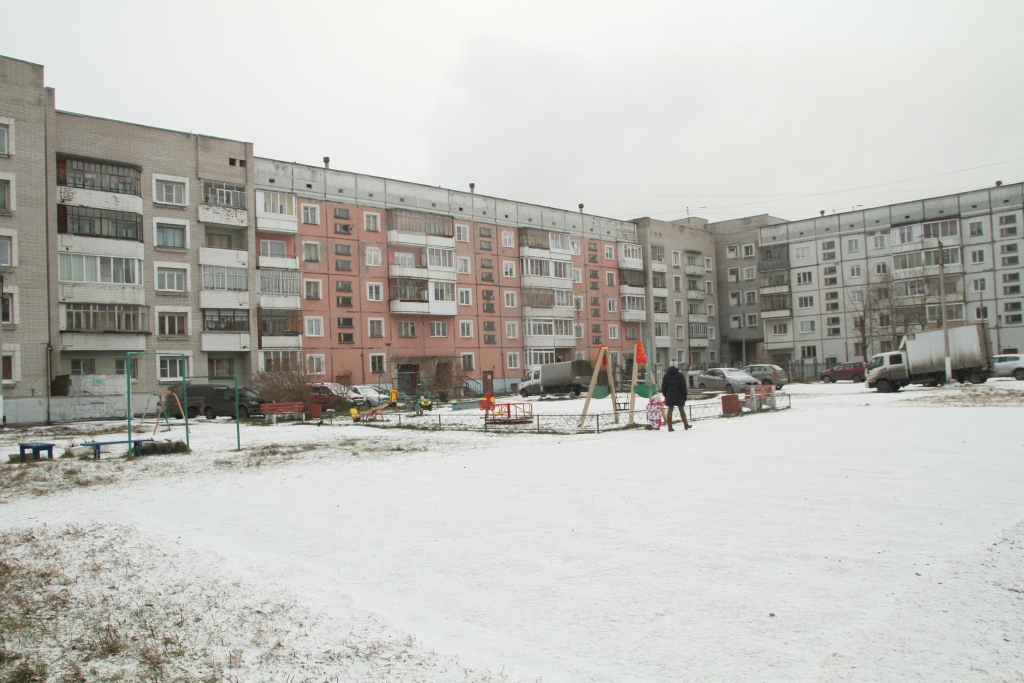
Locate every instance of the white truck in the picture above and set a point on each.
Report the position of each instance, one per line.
(921, 359)
(572, 376)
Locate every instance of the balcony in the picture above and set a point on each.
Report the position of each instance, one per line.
(696, 294)
(413, 307)
(698, 342)
(660, 316)
(422, 273)
(631, 263)
(231, 258)
(633, 316)
(548, 311)
(694, 270)
(285, 341)
(87, 244)
(773, 264)
(549, 341)
(291, 302)
(223, 215)
(662, 342)
(102, 341)
(777, 289)
(82, 292)
(697, 318)
(420, 239)
(224, 341)
(659, 267)
(661, 292)
(282, 262)
(778, 313)
(99, 199)
(543, 282)
(224, 298)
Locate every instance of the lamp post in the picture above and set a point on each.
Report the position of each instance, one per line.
(942, 312)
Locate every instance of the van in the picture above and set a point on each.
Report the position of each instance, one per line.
(221, 401)
(197, 393)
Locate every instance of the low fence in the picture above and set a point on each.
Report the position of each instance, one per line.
(550, 424)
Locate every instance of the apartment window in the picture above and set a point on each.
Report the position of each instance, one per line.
(512, 360)
(374, 292)
(314, 326)
(371, 222)
(802, 252)
(1011, 290)
(511, 330)
(577, 275)
(172, 324)
(736, 321)
(613, 331)
(438, 329)
(462, 263)
(343, 228)
(609, 252)
(711, 310)
(805, 302)
(280, 282)
(5, 132)
(465, 297)
(979, 284)
(170, 236)
(488, 263)
(119, 368)
(346, 322)
(312, 290)
(509, 268)
(780, 329)
(467, 361)
(881, 268)
(630, 332)
(278, 203)
(462, 233)
(975, 229)
(978, 256)
(342, 264)
(343, 286)
(751, 297)
(223, 194)
(609, 278)
(170, 279)
(444, 291)
(490, 326)
(1010, 231)
(311, 251)
(81, 220)
(466, 329)
(224, 278)
(733, 275)
(344, 302)
(749, 273)
(169, 192)
(853, 246)
(377, 363)
(373, 256)
(406, 329)
(981, 313)
(226, 320)
(709, 286)
(677, 259)
(346, 338)
(315, 364)
(311, 214)
(805, 278)
(84, 366)
(612, 305)
(657, 253)
(680, 331)
(879, 241)
(273, 248)
(510, 299)
(677, 283)
(375, 327)
(171, 367)
(5, 197)
(734, 298)
(485, 245)
(508, 239)
(732, 251)
(855, 271)
(748, 250)
(1007, 220)
(808, 351)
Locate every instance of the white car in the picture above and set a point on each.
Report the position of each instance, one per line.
(1009, 366)
(373, 396)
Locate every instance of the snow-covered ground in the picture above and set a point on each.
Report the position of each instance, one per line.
(858, 536)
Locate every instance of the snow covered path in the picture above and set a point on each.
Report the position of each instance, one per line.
(883, 537)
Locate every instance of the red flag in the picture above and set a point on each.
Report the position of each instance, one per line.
(604, 361)
(641, 354)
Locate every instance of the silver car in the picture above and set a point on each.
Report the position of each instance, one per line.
(726, 379)
(1009, 366)
(373, 397)
(768, 374)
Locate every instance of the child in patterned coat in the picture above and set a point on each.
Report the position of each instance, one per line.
(654, 416)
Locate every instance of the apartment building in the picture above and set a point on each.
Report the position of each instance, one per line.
(680, 286)
(738, 287)
(366, 279)
(845, 286)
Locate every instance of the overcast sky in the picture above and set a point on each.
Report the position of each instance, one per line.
(730, 109)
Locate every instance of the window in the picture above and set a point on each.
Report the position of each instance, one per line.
(509, 268)
(808, 351)
(750, 297)
(438, 328)
(734, 298)
(881, 268)
(171, 367)
(511, 330)
(485, 245)
(749, 273)
(463, 265)
(802, 252)
(223, 194)
(312, 290)
(81, 220)
(280, 282)
(711, 310)
(490, 326)
(680, 331)
(273, 248)
(677, 259)
(981, 313)
(224, 240)
(341, 213)
(344, 302)
(100, 317)
(780, 329)
(975, 229)
(170, 236)
(377, 363)
(709, 286)
(171, 324)
(5, 132)
(226, 320)
(732, 251)
(444, 291)
(853, 245)
(978, 256)
(374, 292)
(5, 198)
(343, 264)
(407, 329)
(85, 366)
(346, 338)
(508, 239)
(657, 253)
(805, 278)
(310, 214)
(805, 302)
(855, 271)
(278, 203)
(462, 233)
(577, 275)
(311, 251)
(733, 275)
(488, 263)
(168, 192)
(510, 299)
(375, 327)
(879, 241)
(465, 297)
(314, 326)
(345, 322)
(466, 329)
(576, 248)
(371, 222)
(609, 252)
(512, 360)
(630, 332)
(373, 256)
(315, 364)
(979, 284)
(612, 305)
(736, 321)
(225, 278)
(170, 279)
(467, 361)
(660, 329)
(119, 366)
(1007, 220)
(106, 269)
(343, 228)
(613, 331)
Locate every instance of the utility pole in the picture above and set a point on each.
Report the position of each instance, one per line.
(945, 322)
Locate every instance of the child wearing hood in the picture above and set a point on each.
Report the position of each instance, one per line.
(654, 406)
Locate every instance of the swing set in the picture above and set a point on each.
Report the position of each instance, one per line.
(595, 391)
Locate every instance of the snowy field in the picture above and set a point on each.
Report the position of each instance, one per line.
(856, 537)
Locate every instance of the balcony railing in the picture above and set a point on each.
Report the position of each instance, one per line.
(280, 323)
(280, 282)
(106, 318)
(402, 220)
(773, 264)
(403, 289)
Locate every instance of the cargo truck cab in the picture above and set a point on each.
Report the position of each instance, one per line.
(530, 383)
(888, 371)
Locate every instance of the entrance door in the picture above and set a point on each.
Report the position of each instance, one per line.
(408, 379)
(488, 381)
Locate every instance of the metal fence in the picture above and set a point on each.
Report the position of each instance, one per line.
(548, 424)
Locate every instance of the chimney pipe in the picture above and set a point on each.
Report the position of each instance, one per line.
(327, 162)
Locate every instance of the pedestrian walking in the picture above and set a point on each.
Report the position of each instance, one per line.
(673, 386)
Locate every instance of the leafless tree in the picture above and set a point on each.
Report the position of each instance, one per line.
(284, 384)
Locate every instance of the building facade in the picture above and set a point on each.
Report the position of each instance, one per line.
(846, 286)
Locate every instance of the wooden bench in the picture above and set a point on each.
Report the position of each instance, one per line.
(36, 448)
(284, 408)
(136, 446)
(760, 395)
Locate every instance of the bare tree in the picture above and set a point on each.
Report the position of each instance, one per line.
(445, 379)
(290, 383)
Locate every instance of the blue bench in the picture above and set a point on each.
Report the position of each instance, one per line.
(36, 448)
(136, 445)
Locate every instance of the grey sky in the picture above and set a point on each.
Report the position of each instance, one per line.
(631, 108)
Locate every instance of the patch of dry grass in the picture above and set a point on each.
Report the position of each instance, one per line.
(971, 395)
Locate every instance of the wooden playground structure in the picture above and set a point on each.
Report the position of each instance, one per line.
(599, 392)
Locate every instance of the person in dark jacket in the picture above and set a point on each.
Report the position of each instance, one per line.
(673, 387)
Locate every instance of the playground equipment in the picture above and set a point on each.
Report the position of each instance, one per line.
(602, 364)
(161, 410)
(505, 413)
(646, 390)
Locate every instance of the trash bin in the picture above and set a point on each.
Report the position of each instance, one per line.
(730, 404)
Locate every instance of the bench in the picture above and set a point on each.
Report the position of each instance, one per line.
(36, 448)
(284, 408)
(136, 446)
(759, 396)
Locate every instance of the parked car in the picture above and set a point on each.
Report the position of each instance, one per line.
(221, 401)
(370, 394)
(855, 372)
(768, 374)
(1009, 366)
(729, 380)
(197, 393)
(330, 394)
